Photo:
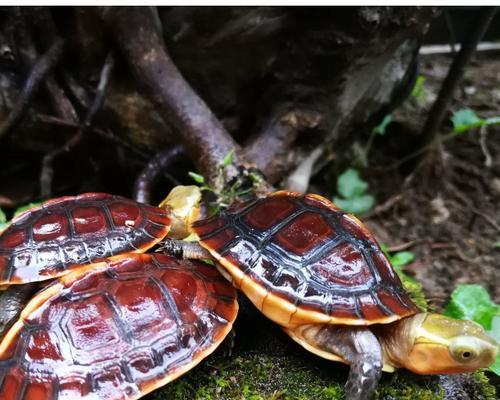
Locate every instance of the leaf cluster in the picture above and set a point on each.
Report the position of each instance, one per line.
(466, 119)
(352, 190)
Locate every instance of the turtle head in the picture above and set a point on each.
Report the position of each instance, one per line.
(184, 203)
(443, 345)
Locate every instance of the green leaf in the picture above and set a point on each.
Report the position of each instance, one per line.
(228, 159)
(418, 90)
(472, 302)
(356, 205)
(26, 207)
(350, 185)
(495, 334)
(402, 258)
(465, 119)
(3, 217)
(492, 121)
(197, 177)
(380, 128)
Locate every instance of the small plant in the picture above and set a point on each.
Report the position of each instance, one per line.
(236, 189)
(473, 302)
(418, 91)
(466, 119)
(352, 190)
(398, 260)
(3, 219)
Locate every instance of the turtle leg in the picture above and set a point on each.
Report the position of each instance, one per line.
(357, 346)
(183, 249)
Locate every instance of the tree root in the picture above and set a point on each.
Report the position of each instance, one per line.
(40, 70)
(152, 171)
(47, 172)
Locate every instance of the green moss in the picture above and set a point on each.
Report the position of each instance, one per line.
(406, 386)
(488, 391)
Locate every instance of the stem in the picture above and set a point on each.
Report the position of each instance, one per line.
(455, 73)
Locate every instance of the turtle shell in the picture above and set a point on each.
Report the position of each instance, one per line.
(61, 234)
(116, 330)
(300, 259)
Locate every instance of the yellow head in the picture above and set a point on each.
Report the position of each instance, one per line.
(443, 345)
(184, 203)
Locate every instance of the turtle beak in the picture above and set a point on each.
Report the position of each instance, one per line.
(444, 345)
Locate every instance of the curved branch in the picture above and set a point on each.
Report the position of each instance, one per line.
(152, 171)
(40, 70)
(205, 139)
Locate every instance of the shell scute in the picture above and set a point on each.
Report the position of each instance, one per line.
(345, 266)
(307, 252)
(265, 215)
(89, 220)
(304, 233)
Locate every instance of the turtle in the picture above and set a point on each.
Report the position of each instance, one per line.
(116, 323)
(319, 273)
(305, 264)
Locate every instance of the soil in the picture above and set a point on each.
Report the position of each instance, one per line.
(447, 209)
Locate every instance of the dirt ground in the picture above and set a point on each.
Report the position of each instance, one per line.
(447, 211)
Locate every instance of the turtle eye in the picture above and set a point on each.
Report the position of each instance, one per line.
(464, 354)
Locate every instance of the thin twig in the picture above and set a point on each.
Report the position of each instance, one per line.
(42, 67)
(49, 119)
(455, 74)
(488, 159)
(385, 206)
(47, 172)
(152, 171)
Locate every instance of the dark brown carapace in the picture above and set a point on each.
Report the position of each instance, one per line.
(116, 330)
(62, 234)
(300, 259)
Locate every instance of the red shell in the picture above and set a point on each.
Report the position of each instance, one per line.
(116, 330)
(50, 240)
(311, 254)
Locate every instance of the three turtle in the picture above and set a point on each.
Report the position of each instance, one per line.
(305, 264)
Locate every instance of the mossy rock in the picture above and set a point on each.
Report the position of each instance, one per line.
(266, 364)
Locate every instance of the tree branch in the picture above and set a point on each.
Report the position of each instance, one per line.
(204, 137)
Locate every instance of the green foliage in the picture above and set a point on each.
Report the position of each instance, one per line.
(353, 191)
(380, 128)
(466, 119)
(418, 91)
(398, 260)
(231, 192)
(401, 258)
(197, 177)
(228, 159)
(472, 302)
(3, 219)
(24, 208)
